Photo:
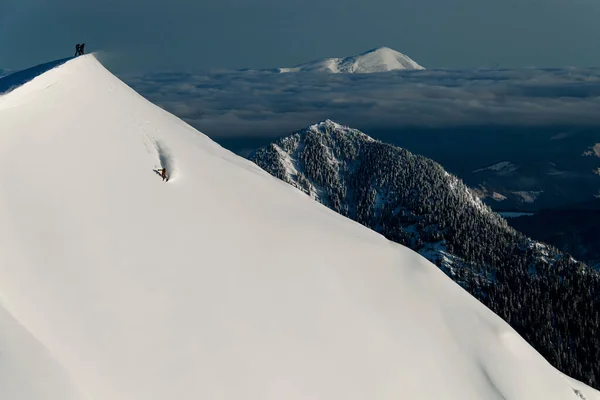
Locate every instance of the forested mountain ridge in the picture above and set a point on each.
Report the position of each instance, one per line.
(551, 299)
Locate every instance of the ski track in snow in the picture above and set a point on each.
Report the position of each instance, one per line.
(161, 153)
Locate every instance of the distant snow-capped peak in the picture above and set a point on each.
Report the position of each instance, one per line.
(381, 59)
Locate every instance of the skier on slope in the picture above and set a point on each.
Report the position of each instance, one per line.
(163, 174)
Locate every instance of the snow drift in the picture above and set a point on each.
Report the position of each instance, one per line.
(382, 59)
(222, 283)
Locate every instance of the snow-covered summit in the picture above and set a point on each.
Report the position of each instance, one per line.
(414, 201)
(381, 59)
(329, 126)
(222, 283)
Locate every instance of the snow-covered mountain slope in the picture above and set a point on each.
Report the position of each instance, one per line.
(366, 180)
(413, 201)
(377, 60)
(222, 283)
(18, 78)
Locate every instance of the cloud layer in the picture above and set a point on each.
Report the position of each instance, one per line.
(260, 103)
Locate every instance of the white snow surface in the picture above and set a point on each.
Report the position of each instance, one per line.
(382, 59)
(223, 283)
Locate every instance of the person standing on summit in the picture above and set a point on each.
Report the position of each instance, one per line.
(79, 49)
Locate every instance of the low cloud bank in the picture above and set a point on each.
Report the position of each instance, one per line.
(266, 104)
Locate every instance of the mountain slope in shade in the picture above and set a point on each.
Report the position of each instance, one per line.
(413, 201)
(222, 283)
(382, 59)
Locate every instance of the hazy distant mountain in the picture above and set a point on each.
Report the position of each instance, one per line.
(382, 59)
(412, 200)
(512, 168)
(574, 231)
(536, 186)
(548, 179)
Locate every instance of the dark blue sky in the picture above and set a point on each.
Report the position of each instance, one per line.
(185, 35)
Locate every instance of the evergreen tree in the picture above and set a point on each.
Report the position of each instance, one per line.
(552, 300)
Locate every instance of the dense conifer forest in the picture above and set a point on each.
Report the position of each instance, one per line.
(552, 300)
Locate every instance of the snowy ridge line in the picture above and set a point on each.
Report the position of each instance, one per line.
(11, 81)
(225, 284)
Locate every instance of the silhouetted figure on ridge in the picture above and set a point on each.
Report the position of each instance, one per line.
(79, 49)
